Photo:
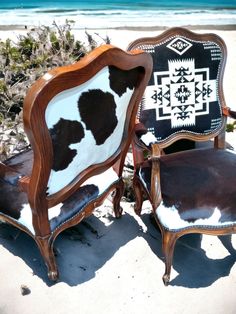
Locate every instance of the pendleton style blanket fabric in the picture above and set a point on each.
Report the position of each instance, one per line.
(182, 93)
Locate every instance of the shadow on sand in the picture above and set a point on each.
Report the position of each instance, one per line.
(194, 268)
(85, 248)
(80, 251)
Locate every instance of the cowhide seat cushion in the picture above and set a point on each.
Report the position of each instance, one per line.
(198, 188)
(18, 208)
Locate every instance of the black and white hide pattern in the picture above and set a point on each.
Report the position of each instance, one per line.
(86, 126)
(86, 123)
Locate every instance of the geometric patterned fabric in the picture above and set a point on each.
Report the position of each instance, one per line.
(182, 94)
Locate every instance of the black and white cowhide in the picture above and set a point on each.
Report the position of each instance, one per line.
(198, 189)
(14, 203)
(86, 123)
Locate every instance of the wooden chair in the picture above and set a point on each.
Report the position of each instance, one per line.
(191, 191)
(79, 120)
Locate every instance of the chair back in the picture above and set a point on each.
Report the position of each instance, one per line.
(184, 97)
(79, 119)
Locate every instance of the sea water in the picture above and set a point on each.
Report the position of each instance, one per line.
(113, 14)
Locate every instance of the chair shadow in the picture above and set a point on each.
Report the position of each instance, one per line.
(195, 269)
(80, 251)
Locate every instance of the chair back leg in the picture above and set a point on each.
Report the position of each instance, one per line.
(46, 250)
(119, 192)
(138, 192)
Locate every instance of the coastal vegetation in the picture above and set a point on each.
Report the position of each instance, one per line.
(22, 62)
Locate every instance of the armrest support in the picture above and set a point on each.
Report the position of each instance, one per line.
(142, 142)
(229, 113)
(138, 146)
(155, 176)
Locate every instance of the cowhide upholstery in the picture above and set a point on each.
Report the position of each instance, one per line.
(90, 115)
(198, 189)
(18, 208)
(79, 120)
(182, 94)
(191, 191)
(86, 124)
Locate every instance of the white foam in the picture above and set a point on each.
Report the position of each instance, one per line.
(117, 18)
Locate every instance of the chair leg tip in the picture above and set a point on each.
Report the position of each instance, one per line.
(53, 275)
(137, 210)
(166, 279)
(118, 213)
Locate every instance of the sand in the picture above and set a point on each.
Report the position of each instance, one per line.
(117, 268)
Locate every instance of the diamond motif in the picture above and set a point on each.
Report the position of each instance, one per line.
(182, 93)
(179, 45)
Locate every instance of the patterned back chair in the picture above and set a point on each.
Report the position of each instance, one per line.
(79, 120)
(184, 100)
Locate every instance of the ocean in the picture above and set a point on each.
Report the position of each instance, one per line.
(115, 14)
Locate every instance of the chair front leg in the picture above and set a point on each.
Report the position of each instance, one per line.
(168, 245)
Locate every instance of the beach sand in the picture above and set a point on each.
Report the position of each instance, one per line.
(115, 266)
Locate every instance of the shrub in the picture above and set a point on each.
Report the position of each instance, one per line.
(24, 61)
(21, 63)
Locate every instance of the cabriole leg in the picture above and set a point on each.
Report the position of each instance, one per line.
(168, 245)
(46, 249)
(119, 192)
(138, 191)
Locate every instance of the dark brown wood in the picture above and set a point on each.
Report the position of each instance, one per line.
(165, 184)
(32, 185)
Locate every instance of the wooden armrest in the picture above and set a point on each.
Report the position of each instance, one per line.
(232, 114)
(140, 129)
(9, 175)
(144, 138)
(138, 147)
(24, 184)
(138, 143)
(229, 113)
(13, 177)
(138, 151)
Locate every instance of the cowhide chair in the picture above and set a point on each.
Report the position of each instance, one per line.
(193, 191)
(79, 120)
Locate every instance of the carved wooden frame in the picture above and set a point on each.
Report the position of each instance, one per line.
(35, 103)
(155, 151)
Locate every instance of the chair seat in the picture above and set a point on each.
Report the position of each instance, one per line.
(18, 208)
(198, 188)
